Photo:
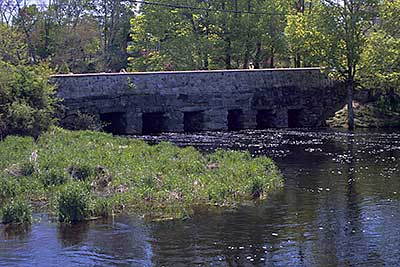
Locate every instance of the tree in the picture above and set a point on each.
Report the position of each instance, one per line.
(271, 44)
(77, 48)
(333, 34)
(113, 17)
(13, 49)
(353, 19)
(380, 60)
(170, 38)
(208, 35)
(27, 100)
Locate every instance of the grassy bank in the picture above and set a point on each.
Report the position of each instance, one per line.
(369, 115)
(82, 174)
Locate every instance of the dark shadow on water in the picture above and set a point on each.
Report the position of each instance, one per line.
(72, 234)
(16, 231)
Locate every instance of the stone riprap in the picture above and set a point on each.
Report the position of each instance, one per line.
(150, 102)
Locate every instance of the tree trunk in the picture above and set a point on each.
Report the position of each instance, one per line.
(272, 62)
(228, 52)
(350, 110)
(257, 57)
(297, 60)
(205, 60)
(228, 43)
(392, 99)
(31, 47)
(246, 59)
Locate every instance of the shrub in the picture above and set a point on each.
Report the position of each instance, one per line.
(53, 177)
(17, 211)
(73, 203)
(23, 169)
(28, 100)
(82, 121)
(8, 188)
(101, 208)
(80, 172)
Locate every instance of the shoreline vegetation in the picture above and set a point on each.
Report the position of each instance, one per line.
(81, 175)
(367, 115)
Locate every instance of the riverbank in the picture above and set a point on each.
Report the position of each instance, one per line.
(82, 174)
(366, 115)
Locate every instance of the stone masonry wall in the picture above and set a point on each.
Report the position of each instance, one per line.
(178, 97)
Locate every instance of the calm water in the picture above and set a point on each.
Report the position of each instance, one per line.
(340, 206)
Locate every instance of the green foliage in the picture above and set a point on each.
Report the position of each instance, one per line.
(28, 101)
(53, 176)
(181, 39)
(101, 207)
(17, 211)
(380, 61)
(80, 172)
(8, 189)
(73, 203)
(94, 173)
(380, 67)
(310, 36)
(83, 121)
(13, 49)
(77, 36)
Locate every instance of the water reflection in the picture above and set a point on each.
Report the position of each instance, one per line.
(16, 232)
(71, 235)
(339, 207)
(101, 243)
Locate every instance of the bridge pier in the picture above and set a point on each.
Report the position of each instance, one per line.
(174, 121)
(248, 120)
(216, 119)
(265, 118)
(280, 118)
(193, 120)
(133, 122)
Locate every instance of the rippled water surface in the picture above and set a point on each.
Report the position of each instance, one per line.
(340, 206)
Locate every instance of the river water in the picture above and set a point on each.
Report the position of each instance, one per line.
(340, 206)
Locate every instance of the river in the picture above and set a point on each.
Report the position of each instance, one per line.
(340, 206)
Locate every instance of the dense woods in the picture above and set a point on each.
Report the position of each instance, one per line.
(356, 41)
(88, 36)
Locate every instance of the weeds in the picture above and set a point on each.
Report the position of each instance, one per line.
(73, 203)
(8, 189)
(16, 212)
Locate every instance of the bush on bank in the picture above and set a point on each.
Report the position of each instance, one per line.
(83, 174)
(27, 99)
(16, 212)
(73, 203)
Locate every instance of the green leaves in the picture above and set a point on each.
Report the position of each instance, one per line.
(380, 60)
(207, 38)
(28, 99)
(73, 203)
(16, 212)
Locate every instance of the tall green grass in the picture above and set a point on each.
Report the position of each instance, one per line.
(115, 173)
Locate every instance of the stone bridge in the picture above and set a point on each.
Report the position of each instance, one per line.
(191, 101)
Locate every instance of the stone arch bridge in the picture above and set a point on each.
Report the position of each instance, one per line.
(191, 101)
